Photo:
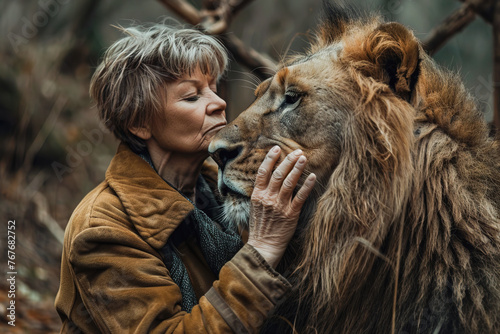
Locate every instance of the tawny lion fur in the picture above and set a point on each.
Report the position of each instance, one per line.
(402, 233)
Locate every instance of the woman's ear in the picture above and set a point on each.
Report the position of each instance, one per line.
(141, 132)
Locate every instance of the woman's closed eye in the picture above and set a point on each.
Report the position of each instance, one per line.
(192, 98)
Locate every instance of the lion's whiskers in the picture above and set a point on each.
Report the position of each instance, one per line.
(251, 79)
(252, 86)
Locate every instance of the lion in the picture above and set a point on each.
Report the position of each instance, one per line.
(402, 231)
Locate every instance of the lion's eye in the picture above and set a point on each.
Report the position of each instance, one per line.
(292, 97)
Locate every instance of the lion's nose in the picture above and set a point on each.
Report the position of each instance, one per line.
(222, 155)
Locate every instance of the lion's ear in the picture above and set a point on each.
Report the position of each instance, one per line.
(394, 55)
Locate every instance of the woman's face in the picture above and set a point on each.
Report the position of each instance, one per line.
(193, 114)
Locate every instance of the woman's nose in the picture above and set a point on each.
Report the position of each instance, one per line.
(216, 104)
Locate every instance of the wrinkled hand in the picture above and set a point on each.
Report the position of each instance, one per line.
(275, 211)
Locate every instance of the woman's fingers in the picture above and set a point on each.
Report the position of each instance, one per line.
(275, 211)
(282, 171)
(265, 169)
(292, 178)
(304, 191)
(285, 177)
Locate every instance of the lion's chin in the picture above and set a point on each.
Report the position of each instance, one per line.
(236, 212)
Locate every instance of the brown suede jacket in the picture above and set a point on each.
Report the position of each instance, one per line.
(113, 279)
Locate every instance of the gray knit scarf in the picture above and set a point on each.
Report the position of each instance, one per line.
(218, 243)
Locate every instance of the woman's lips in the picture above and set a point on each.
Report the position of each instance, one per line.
(217, 127)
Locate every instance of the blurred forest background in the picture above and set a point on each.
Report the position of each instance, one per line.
(53, 149)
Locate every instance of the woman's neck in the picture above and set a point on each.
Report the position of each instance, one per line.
(179, 169)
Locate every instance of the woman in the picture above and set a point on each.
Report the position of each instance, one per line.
(141, 252)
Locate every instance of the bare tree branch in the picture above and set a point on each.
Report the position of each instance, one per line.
(261, 65)
(210, 4)
(496, 67)
(449, 27)
(216, 21)
(482, 7)
(184, 10)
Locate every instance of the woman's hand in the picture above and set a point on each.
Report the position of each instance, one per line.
(275, 211)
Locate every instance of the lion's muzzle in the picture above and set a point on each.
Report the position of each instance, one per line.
(223, 153)
(225, 149)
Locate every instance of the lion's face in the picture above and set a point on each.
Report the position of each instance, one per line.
(305, 105)
(318, 103)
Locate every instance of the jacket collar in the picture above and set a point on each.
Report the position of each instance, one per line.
(154, 207)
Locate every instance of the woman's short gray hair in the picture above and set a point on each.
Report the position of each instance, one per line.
(127, 84)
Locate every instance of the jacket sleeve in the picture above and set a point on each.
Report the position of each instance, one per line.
(126, 288)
